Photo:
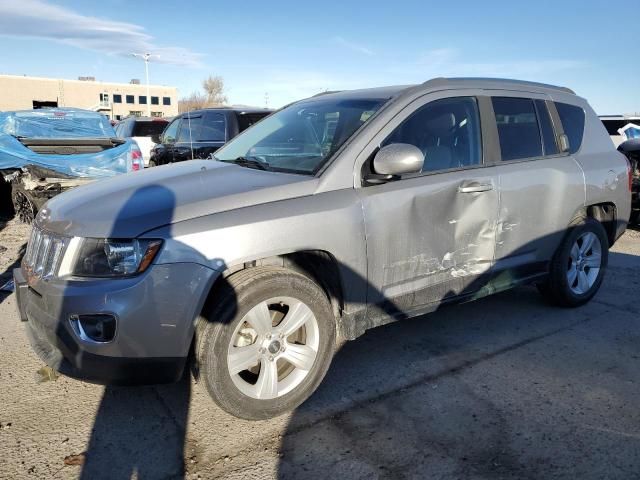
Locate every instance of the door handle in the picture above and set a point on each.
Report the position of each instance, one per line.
(474, 187)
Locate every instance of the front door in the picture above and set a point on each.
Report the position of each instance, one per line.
(163, 152)
(431, 237)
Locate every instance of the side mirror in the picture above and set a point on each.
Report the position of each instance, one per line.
(395, 160)
(156, 139)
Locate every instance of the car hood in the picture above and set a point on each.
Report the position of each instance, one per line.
(129, 205)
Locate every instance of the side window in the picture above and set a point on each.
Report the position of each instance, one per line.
(213, 128)
(546, 127)
(169, 135)
(518, 128)
(572, 119)
(447, 131)
(245, 120)
(190, 129)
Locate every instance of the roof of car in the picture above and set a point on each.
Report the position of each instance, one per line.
(241, 110)
(447, 84)
(146, 119)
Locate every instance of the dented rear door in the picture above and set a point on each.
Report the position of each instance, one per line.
(432, 237)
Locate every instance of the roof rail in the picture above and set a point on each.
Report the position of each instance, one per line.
(442, 81)
(326, 92)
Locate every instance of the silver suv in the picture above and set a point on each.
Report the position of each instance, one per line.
(336, 214)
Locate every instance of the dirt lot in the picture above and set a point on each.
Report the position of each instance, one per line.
(506, 387)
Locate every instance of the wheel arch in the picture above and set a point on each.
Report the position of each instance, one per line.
(320, 266)
(606, 214)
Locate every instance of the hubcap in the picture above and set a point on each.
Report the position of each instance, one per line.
(585, 260)
(273, 348)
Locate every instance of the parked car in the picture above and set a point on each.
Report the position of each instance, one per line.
(334, 215)
(47, 151)
(631, 148)
(142, 130)
(200, 133)
(621, 127)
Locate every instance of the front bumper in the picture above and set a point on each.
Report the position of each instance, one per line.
(155, 315)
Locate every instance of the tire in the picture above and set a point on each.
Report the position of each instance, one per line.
(237, 331)
(573, 276)
(633, 220)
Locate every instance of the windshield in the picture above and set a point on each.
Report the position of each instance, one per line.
(301, 137)
(56, 123)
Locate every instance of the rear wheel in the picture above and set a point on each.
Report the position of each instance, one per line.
(578, 267)
(266, 345)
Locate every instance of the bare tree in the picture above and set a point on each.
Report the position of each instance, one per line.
(214, 90)
(213, 96)
(194, 101)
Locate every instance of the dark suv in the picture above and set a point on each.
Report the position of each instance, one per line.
(200, 133)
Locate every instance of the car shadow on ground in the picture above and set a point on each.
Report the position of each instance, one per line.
(446, 395)
(139, 432)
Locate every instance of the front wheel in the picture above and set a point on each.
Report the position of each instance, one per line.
(578, 267)
(268, 342)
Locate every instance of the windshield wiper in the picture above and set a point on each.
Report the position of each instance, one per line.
(249, 162)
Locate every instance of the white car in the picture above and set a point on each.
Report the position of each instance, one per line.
(141, 129)
(621, 127)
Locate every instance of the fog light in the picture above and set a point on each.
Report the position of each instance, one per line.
(99, 327)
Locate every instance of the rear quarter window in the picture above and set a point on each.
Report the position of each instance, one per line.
(245, 120)
(572, 119)
(148, 129)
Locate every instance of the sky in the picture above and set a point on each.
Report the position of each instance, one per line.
(277, 52)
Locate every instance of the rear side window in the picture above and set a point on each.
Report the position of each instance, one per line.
(447, 132)
(546, 127)
(245, 120)
(190, 129)
(148, 129)
(572, 119)
(213, 128)
(518, 128)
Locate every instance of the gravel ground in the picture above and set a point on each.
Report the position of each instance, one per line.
(505, 387)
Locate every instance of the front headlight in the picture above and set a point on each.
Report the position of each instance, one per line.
(94, 257)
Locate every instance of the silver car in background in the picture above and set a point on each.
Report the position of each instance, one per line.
(336, 214)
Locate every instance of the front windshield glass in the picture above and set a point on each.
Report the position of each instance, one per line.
(301, 137)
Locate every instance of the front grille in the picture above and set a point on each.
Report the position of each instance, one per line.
(44, 253)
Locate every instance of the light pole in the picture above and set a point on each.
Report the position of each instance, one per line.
(146, 57)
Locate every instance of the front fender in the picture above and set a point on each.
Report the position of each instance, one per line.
(329, 221)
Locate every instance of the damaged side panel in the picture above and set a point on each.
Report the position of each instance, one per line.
(427, 240)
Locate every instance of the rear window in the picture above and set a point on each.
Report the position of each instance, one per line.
(213, 128)
(572, 119)
(148, 129)
(518, 128)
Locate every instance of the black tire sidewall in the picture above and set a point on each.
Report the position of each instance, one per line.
(223, 322)
(564, 294)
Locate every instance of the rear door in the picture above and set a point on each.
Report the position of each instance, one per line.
(430, 237)
(541, 188)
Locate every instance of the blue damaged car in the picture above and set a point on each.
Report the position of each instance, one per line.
(45, 152)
